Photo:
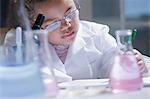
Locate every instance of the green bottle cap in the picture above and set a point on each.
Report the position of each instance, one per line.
(134, 32)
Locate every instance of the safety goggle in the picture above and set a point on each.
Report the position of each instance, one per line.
(69, 18)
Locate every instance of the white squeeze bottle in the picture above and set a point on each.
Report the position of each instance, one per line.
(125, 75)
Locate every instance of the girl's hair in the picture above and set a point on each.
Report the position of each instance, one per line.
(13, 18)
(30, 6)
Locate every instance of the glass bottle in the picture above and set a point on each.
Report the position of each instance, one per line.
(20, 75)
(125, 75)
(46, 63)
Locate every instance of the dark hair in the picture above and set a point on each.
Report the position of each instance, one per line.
(77, 4)
(29, 5)
(11, 9)
(3, 12)
(16, 14)
(12, 14)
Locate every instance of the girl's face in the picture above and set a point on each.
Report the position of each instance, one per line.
(65, 13)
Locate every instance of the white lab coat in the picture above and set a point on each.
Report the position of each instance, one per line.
(85, 55)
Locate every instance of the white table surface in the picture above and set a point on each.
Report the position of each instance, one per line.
(144, 93)
(141, 94)
(103, 93)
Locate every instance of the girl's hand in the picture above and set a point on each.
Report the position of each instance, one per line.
(140, 61)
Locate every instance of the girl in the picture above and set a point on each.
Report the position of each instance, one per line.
(77, 46)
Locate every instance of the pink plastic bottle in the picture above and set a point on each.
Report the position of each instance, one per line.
(125, 75)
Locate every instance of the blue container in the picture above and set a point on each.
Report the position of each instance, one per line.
(21, 81)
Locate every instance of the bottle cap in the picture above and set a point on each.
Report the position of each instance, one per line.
(39, 21)
(134, 32)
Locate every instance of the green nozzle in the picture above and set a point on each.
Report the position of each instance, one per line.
(134, 31)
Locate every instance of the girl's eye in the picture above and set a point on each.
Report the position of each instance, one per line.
(47, 23)
(53, 26)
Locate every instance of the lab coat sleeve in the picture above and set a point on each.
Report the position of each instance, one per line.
(100, 33)
(107, 45)
(109, 50)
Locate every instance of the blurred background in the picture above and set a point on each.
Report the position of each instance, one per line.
(129, 14)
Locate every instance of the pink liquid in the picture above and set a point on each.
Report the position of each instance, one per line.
(51, 88)
(125, 85)
(125, 75)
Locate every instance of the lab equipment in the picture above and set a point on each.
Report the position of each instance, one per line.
(134, 32)
(53, 26)
(19, 45)
(39, 21)
(44, 58)
(37, 25)
(69, 17)
(20, 75)
(45, 61)
(125, 75)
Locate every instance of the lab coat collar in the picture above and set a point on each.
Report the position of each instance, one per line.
(57, 63)
(77, 45)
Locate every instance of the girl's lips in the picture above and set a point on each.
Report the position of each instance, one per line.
(69, 35)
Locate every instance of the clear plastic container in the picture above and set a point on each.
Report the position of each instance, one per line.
(20, 75)
(45, 61)
(22, 57)
(20, 81)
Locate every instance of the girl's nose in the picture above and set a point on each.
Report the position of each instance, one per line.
(65, 24)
